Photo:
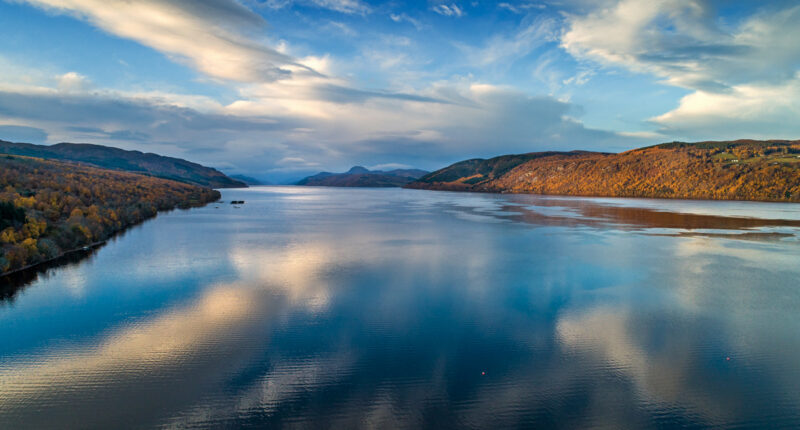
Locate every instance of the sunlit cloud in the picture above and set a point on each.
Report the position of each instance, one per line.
(214, 36)
(744, 76)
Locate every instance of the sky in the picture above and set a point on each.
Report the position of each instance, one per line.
(278, 89)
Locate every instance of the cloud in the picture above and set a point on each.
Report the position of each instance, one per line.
(286, 128)
(220, 38)
(73, 82)
(529, 36)
(760, 111)
(21, 133)
(402, 17)
(342, 28)
(449, 10)
(743, 75)
(390, 166)
(682, 42)
(520, 8)
(141, 122)
(343, 6)
(281, 106)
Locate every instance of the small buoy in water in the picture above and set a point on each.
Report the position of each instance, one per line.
(727, 359)
(483, 373)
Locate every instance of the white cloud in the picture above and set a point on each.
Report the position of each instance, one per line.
(401, 17)
(343, 28)
(499, 49)
(73, 82)
(283, 117)
(746, 111)
(305, 123)
(449, 10)
(682, 42)
(217, 37)
(744, 75)
(520, 8)
(390, 166)
(343, 6)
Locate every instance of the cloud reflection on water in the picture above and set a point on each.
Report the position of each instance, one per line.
(390, 320)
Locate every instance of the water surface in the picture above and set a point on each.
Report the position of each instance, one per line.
(320, 307)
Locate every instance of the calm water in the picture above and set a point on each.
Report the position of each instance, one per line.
(312, 307)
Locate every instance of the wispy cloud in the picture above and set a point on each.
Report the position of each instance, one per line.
(448, 10)
(402, 17)
(521, 7)
(342, 28)
(343, 6)
(217, 37)
(504, 48)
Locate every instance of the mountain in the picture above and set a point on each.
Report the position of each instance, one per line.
(729, 170)
(359, 176)
(131, 161)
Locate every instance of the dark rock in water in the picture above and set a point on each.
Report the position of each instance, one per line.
(237, 202)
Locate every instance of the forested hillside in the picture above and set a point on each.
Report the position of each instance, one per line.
(132, 161)
(737, 170)
(49, 207)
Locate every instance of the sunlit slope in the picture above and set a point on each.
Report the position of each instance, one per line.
(49, 207)
(737, 170)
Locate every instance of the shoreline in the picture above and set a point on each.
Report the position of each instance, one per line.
(602, 196)
(39, 267)
(85, 248)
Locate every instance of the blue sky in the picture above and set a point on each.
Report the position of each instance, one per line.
(280, 88)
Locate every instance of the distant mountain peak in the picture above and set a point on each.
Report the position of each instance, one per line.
(358, 169)
(359, 176)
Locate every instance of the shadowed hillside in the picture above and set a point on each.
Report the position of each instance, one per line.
(49, 207)
(131, 161)
(361, 177)
(737, 170)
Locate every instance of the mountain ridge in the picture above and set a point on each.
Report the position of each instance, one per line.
(717, 170)
(359, 176)
(109, 157)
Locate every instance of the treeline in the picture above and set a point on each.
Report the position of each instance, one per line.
(49, 207)
(740, 170)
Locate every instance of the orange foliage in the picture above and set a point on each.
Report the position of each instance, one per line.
(742, 170)
(48, 207)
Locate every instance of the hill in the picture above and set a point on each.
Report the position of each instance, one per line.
(361, 177)
(249, 180)
(132, 161)
(49, 207)
(731, 170)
